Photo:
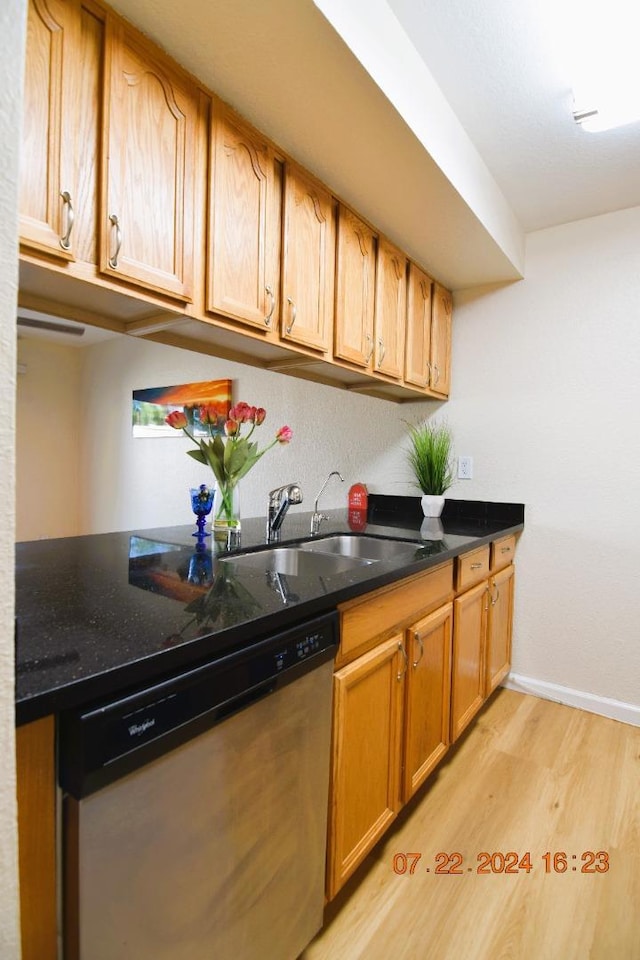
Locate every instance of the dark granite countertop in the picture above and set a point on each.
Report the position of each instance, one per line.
(96, 615)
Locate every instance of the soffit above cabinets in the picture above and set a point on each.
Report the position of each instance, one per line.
(287, 69)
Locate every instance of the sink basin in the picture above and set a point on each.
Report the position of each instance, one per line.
(367, 548)
(295, 562)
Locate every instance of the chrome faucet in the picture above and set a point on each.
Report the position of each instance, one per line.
(280, 500)
(317, 518)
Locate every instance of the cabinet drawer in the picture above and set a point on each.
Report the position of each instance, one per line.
(471, 568)
(502, 552)
(365, 621)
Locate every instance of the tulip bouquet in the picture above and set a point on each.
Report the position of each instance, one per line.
(232, 458)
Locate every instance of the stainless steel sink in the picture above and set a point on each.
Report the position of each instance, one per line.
(367, 548)
(295, 562)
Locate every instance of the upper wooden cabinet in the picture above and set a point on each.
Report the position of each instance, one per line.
(151, 116)
(48, 170)
(244, 224)
(308, 268)
(417, 365)
(441, 340)
(428, 339)
(390, 310)
(355, 289)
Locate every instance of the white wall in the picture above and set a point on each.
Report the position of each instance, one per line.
(546, 397)
(12, 37)
(49, 424)
(144, 482)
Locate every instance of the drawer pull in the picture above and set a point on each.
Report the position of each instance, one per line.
(505, 550)
(475, 566)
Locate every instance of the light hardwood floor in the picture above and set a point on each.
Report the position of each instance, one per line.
(530, 776)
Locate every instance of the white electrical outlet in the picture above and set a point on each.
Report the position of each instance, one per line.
(465, 468)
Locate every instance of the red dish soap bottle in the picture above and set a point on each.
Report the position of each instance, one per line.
(357, 502)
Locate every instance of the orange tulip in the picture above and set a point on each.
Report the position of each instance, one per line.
(176, 419)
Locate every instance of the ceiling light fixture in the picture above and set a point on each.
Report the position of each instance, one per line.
(603, 63)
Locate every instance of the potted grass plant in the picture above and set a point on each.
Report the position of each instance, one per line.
(430, 458)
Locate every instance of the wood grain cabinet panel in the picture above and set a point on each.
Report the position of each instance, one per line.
(244, 225)
(417, 368)
(468, 663)
(151, 115)
(367, 724)
(390, 310)
(427, 697)
(499, 627)
(355, 288)
(308, 271)
(36, 794)
(47, 169)
(442, 311)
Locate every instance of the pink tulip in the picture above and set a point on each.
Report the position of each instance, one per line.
(284, 435)
(260, 415)
(208, 414)
(231, 427)
(176, 419)
(240, 412)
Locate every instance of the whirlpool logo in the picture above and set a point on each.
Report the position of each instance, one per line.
(137, 729)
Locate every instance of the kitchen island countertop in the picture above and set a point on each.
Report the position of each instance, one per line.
(101, 614)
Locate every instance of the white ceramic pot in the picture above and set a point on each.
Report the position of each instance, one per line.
(432, 505)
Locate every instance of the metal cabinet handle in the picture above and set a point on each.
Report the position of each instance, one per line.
(428, 366)
(494, 599)
(505, 550)
(402, 650)
(65, 240)
(475, 566)
(113, 261)
(294, 314)
(370, 354)
(435, 367)
(269, 292)
(383, 350)
(421, 645)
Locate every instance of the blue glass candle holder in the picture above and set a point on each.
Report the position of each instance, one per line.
(201, 504)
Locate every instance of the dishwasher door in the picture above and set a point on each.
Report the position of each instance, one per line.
(214, 850)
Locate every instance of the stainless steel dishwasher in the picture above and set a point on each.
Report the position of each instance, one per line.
(195, 810)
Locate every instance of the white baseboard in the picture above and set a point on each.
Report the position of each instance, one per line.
(603, 706)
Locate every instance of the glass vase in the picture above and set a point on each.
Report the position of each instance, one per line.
(226, 521)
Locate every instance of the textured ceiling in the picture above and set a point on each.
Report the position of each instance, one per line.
(498, 63)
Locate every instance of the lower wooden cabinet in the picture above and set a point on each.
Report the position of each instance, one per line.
(401, 700)
(367, 724)
(468, 666)
(36, 794)
(427, 697)
(499, 627)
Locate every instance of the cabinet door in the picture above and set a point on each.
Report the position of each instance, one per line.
(308, 272)
(418, 339)
(427, 697)
(47, 184)
(390, 310)
(242, 283)
(356, 268)
(500, 626)
(36, 795)
(151, 115)
(441, 341)
(367, 718)
(468, 664)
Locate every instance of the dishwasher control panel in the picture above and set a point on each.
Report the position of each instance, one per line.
(107, 739)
